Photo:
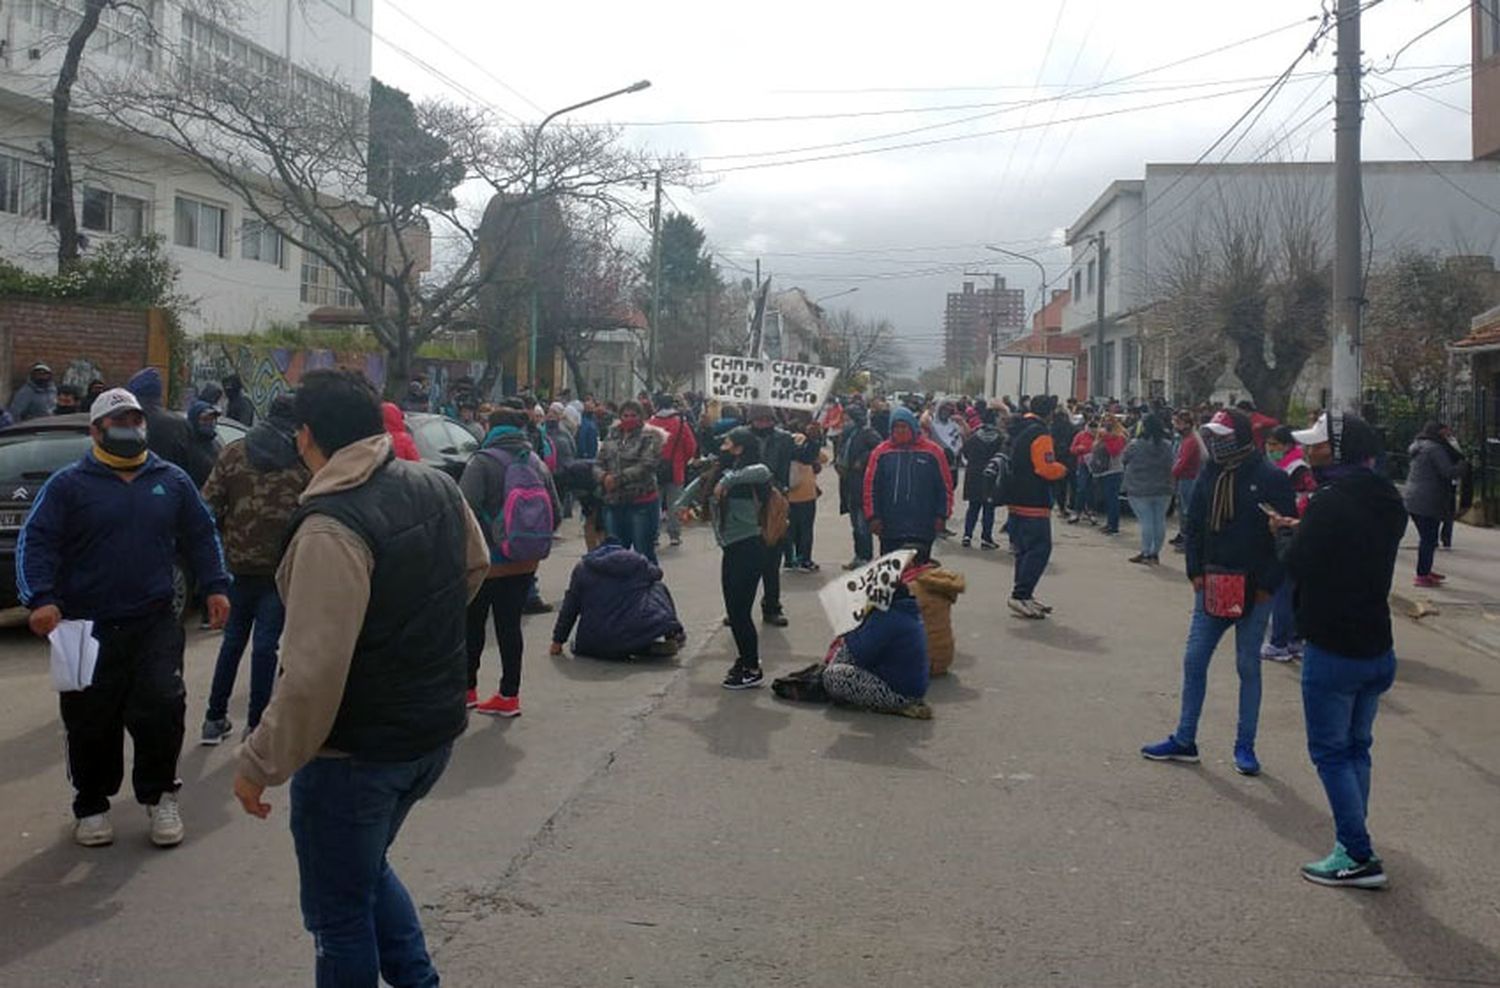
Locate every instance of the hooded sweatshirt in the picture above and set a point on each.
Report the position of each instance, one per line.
(253, 492)
(167, 433)
(908, 487)
(618, 602)
(30, 401)
(395, 426)
(324, 578)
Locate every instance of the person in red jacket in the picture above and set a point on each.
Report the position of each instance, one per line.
(1185, 468)
(1083, 445)
(680, 446)
(401, 440)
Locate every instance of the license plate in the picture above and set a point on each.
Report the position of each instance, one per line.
(12, 519)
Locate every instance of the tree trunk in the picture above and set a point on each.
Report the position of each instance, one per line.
(64, 216)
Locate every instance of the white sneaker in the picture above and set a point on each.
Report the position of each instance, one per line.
(93, 831)
(1044, 608)
(166, 821)
(1026, 609)
(1275, 653)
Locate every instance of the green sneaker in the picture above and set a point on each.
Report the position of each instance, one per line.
(1340, 871)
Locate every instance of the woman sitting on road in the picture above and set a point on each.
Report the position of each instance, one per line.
(882, 666)
(620, 605)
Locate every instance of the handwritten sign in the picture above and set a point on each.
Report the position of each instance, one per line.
(848, 599)
(777, 383)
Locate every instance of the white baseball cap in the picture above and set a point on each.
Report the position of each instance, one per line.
(1315, 436)
(112, 402)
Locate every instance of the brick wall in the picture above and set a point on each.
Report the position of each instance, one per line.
(77, 341)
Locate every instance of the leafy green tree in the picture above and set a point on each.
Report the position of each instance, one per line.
(692, 292)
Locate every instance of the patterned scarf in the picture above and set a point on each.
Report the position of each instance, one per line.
(1229, 455)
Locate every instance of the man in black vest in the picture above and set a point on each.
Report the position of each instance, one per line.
(1029, 506)
(380, 563)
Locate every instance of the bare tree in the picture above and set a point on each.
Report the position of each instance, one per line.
(1180, 326)
(865, 348)
(297, 153)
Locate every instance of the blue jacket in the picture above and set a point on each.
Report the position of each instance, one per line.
(1246, 544)
(587, 439)
(908, 489)
(102, 549)
(619, 603)
(893, 645)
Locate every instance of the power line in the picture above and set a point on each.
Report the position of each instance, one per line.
(1430, 166)
(463, 55)
(1403, 49)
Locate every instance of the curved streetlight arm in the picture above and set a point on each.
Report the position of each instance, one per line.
(847, 291)
(634, 87)
(1042, 291)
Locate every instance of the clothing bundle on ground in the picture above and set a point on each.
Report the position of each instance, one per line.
(936, 591)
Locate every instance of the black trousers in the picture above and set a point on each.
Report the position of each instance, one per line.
(770, 573)
(138, 688)
(505, 598)
(740, 571)
(802, 516)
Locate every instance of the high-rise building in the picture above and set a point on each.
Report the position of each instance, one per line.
(973, 317)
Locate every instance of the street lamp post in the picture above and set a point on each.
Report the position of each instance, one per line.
(536, 148)
(1042, 289)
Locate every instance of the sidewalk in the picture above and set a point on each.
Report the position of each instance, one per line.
(1467, 607)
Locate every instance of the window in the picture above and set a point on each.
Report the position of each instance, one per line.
(113, 212)
(1489, 28)
(321, 285)
(25, 187)
(261, 242)
(1077, 287)
(208, 50)
(199, 226)
(126, 31)
(1093, 269)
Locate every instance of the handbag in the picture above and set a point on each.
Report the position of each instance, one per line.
(1224, 593)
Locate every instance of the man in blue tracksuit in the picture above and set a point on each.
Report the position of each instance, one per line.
(100, 545)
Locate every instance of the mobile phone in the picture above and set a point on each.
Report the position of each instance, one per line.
(1269, 509)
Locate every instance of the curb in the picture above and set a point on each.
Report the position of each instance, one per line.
(1418, 611)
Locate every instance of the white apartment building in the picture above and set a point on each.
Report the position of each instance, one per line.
(1410, 205)
(243, 276)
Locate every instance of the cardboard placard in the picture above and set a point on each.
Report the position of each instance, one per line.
(848, 599)
(777, 383)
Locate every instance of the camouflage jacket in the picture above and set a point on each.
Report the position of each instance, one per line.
(252, 508)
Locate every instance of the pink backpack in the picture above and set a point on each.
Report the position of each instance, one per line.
(523, 530)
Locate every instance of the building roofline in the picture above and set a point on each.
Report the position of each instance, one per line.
(1116, 189)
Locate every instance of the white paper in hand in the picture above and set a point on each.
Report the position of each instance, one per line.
(848, 599)
(75, 652)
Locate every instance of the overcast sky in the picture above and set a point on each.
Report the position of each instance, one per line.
(1026, 112)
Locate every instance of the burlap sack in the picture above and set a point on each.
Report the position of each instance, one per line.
(936, 591)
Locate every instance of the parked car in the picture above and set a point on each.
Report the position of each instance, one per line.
(443, 442)
(33, 451)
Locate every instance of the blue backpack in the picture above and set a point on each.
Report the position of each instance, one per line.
(522, 530)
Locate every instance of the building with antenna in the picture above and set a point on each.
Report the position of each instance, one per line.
(242, 273)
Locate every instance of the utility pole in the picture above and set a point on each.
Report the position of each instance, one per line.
(1100, 385)
(708, 312)
(655, 287)
(1344, 387)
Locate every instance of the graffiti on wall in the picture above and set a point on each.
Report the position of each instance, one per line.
(271, 371)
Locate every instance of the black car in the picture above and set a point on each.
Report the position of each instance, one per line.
(33, 451)
(443, 442)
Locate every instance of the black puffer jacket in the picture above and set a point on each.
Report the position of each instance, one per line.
(978, 450)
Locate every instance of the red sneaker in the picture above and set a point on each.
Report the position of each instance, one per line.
(1437, 576)
(471, 699)
(500, 706)
(1426, 582)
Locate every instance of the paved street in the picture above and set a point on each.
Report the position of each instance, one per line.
(641, 826)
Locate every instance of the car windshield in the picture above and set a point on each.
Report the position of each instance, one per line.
(38, 455)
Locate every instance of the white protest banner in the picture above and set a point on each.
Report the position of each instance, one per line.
(801, 386)
(735, 379)
(848, 599)
(778, 383)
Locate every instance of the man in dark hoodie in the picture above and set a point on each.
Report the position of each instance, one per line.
(203, 420)
(857, 442)
(1342, 554)
(253, 492)
(167, 433)
(37, 397)
(777, 447)
(238, 407)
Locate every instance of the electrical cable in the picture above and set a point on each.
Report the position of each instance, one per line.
(463, 55)
(1430, 166)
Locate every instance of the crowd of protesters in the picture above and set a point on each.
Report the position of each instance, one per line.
(364, 583)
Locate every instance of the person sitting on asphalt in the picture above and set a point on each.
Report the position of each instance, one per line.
(1231, 560)
(882, 665)
(1342, 554)
(908, 489)
(620, 606)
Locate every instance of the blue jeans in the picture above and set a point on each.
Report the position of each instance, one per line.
(1032, 538)
(345, 814)
(1428, 529)
(1151, 512)
(635, 525)
(255, 618)
(1081, 494)
(1184, 496)
(864, 542)
(1339, 699)
(1283, 616)
(1203, 637)
(977, 510)
(1108, 486)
